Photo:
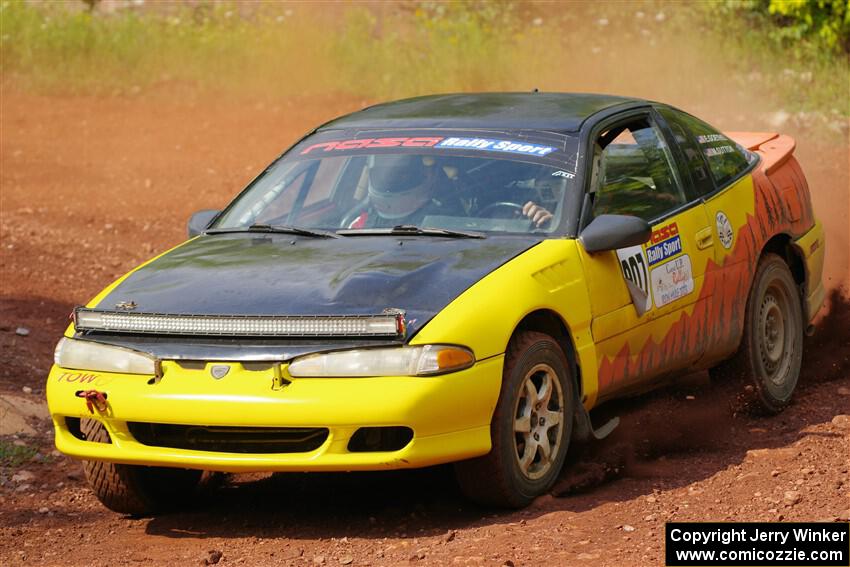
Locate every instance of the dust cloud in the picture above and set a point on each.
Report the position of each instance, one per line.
(659, 56)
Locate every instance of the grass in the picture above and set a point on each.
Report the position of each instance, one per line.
(13, 456)
(384, 51)
(50, 47)
(304, 49)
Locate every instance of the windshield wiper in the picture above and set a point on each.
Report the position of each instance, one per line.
(412, 230)
(278, 229)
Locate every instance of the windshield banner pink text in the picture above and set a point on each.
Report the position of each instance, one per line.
(480, 144)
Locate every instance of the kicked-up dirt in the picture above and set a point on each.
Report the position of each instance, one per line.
(91, 186)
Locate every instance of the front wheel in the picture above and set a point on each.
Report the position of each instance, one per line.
(531, 426)
(771, 349)
(133, 489)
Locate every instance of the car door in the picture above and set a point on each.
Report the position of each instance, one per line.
(720, 172)
(640, 295)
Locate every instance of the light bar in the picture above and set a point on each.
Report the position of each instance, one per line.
(390, 324)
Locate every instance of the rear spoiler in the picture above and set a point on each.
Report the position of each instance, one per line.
(774, 149)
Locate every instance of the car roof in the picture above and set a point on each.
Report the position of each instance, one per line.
(554, 112)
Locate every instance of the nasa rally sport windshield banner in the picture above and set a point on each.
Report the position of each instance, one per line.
(542, 147)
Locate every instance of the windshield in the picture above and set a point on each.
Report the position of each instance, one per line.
(511, 182)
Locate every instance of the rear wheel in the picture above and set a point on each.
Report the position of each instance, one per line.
(133, 489)
(771, 349)
(530, 430)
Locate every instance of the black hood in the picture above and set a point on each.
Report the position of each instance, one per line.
(277, 274)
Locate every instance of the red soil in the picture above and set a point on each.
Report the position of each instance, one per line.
(92, 186)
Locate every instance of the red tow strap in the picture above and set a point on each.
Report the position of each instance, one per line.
(94, 400)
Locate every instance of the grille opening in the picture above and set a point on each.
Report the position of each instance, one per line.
(257, 366)
(192, 364)
(379, 439)
(77, 426)
(202, 364)
(225, 439)
(73, 425)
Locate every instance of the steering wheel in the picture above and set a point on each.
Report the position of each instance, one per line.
(515, 210)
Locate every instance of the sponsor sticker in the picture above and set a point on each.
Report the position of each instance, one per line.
(711, 138)
(672, 280)
(724, 230)
(566, 174)
(482, 144)
(636, 273)
(718, 151)
(664, 250)
(492, 145)
(666, 243)
(425, 142)
(664, 233)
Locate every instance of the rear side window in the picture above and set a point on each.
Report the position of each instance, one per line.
(695, 162)
(726, 159)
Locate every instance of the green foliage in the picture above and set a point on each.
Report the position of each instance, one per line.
(828, 20)
(796, 49)
(820, 24)
(13, 456)
(387, 50)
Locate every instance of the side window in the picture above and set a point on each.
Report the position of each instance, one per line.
(694, 160)
(633, 172)
(725, 158)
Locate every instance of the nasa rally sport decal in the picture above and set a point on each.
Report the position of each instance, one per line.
(636, 272)
(724, 230)
(479, 144)
(664, 243)
(508, 146)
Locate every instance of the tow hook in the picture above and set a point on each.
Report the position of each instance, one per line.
(94, 400)
(279, 382)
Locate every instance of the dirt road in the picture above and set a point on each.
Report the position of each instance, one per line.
(92, 186)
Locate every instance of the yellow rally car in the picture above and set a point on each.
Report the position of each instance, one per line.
(454, 278)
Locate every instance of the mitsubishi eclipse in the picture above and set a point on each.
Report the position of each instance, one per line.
(444, 279)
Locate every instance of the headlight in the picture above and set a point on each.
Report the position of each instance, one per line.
(425, 360)
(85, 355)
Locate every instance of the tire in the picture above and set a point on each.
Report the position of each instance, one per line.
(133, 489)
(771, 349)
(516, 470)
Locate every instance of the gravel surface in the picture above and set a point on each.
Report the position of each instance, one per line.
(91, 186)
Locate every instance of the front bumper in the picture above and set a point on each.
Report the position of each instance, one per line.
(449, 415)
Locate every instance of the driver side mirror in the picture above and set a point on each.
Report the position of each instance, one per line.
(609, 232)
(199, 221)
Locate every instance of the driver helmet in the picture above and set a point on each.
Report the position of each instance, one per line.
(399, 184)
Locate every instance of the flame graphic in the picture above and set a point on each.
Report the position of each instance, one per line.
(714, 327)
